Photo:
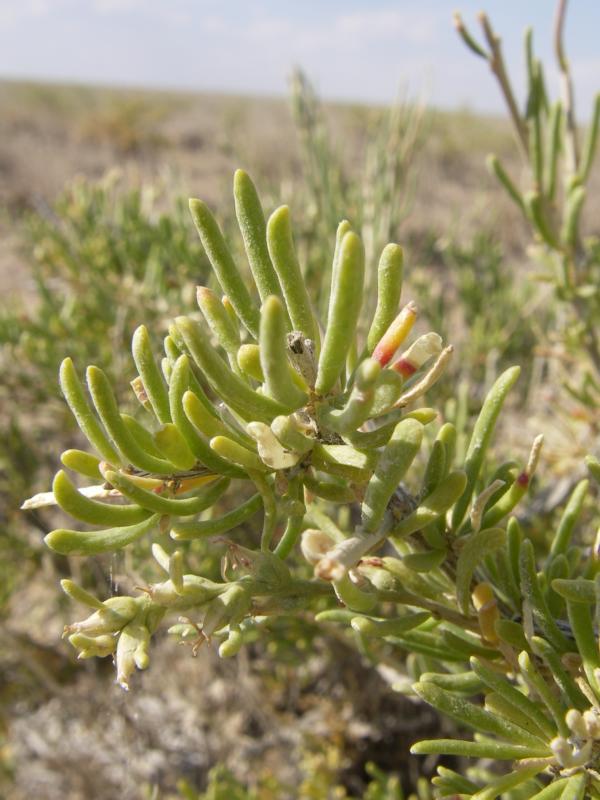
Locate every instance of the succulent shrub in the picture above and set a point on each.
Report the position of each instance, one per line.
(560, 162)
(366, 520)
(101, 256)
(261, 396)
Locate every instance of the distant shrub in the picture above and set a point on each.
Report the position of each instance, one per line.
(130, 125)
(560, 161)
(102, 258)
(376, 194)
(454, 286)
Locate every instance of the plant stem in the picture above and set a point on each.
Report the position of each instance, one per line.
(571, 143)
(496, 62)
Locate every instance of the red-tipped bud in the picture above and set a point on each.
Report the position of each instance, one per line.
(426, 346)
(523, 480)
(405, 367)
(395, 334)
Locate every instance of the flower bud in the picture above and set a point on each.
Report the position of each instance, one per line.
(228, 608)
(140, 392)
(352, 596)
(375, 570)
(395, 334)
(487, 611)
(269, 449)
(132, 651)
(194, 591)
(576, 723)
(90, 646)
(315, 544)
(425, 347)
(591, 719)
(562, 751)
(115, 614)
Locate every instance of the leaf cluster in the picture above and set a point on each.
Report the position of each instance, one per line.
(316, 431)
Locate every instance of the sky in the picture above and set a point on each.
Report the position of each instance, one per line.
(353, 50)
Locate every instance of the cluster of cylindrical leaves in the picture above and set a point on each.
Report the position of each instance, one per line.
(248, 392)
(231, 610)
(536, 714)
(123, 626)
(540, 676)
(252, 392)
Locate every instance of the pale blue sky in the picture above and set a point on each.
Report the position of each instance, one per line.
(352, 49)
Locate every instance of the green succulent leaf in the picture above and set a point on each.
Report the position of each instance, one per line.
(87, 543)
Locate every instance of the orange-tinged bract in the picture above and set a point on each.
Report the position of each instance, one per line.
(395, 334)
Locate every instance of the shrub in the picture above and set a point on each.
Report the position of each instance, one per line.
(104, 257)
(258, 411)
(560, 165)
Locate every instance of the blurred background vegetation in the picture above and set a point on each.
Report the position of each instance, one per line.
(87, 253)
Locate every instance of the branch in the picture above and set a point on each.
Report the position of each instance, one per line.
(571, 143)
(496, 62)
